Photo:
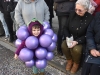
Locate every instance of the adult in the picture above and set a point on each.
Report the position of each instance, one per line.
(92, 62)
(26, 10)
(7, 6)
(76, 27)
(63, 8)
(50, 5)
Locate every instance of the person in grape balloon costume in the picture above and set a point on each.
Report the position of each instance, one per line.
(35, 29)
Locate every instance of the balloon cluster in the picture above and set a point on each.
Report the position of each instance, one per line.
(37, 51)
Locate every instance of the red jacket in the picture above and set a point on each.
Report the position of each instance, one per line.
(98, 7)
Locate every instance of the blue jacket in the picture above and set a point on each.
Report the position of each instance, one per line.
(93, 39)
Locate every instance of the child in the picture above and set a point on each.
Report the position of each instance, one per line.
(35, 29)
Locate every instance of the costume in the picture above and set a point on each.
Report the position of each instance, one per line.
(30, 30)
(35, 69)
(36, 51)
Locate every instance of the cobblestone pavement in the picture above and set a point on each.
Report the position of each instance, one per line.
(9, 66)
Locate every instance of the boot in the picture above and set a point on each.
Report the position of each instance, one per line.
(74, 68)
(69, 65)
(35, 74)
(41, 73)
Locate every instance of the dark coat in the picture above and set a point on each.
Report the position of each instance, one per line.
(64, 7)
(6, 6)
(50, 5)
(77, 26)
(93, 39)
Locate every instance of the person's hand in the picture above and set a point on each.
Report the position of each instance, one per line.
(16, 56)
(95, 53)
(74, 43)
(99, 54)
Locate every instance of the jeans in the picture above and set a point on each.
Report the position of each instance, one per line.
(4, 24)
(9, 22)
(35, 70)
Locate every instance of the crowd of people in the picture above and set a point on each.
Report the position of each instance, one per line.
(78, 33)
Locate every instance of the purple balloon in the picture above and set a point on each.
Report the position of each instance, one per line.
(41, 53)
(49, 56)
(41, 64)
(45, 40)
(46, 25)
(22, 34)
(49, 32)
(23, 27)
(26, 54)
(31, 42)
(52, 47)
(18, 42)
(30, 63)
(54, 38)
